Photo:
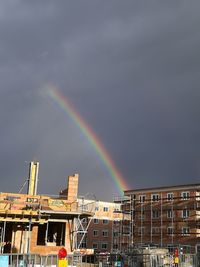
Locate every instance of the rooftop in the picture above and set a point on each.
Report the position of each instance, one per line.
(164, 188)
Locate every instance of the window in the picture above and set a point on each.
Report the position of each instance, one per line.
(95, 233)
(95, 245)
(142, 198)
(115, 246)
(170, 230)
(197, 196)
(116, 208)
(155, 230)
(33, 200)
(185, 195)
(126, 230)
(11, 198)
(115, 234)
(96, 221)
(141, 214)
(185, 213)
(170, 196)
(155, 197)
(105, 233)
(96, 208)
(155, 214)
(104, 245)
(105, 209)
(55, 234)
(32, 203)
(105, 221)
(185, 231)
(140, 230)
(169, 213)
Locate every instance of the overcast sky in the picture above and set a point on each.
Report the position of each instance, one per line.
(130, 68)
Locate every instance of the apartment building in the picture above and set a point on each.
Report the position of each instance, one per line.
(165, 216)
(99, 233)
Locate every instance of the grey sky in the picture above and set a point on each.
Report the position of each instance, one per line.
(131, 68)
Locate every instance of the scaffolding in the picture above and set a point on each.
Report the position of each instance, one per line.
(82, 222)
(122, 227)
(158, 219)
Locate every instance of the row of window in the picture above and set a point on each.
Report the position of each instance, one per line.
(170, 230)
(97, 208)
(104, 221)
(105, 209)
(170, 214)
(102, 245)
(96, 245)
(104, 233)
(169, 197)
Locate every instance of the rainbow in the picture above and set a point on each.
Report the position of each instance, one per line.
(88, 132)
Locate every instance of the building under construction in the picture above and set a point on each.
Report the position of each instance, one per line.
(40, 224)
(160, 216)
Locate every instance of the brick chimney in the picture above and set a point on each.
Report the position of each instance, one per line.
(71, 192)
(72, 187)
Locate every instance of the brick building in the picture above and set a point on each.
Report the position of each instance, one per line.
(99, 234)
(40, 224)
(165, 216)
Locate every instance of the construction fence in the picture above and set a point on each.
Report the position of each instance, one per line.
(28, 260)
(100, 260)
(144, 260)
(35, 260)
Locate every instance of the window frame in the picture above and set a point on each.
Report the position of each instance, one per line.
(187, 232)
(155, 230)
(97, 233)
(187, 197)
(105, 231)
(170, 213)
(106, 245)
(155, 212)
(155, 197)
(171, 232)
(95, 243)
(96, 221)
(105, 209)
(170, 196)
(185, 213)
(142, 198)
(141, 230)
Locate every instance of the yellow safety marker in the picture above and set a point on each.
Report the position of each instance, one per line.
(63, 263)
(176, 260)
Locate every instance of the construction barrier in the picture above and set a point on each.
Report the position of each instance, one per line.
(28, 260)
(99, 260)
(62, 261)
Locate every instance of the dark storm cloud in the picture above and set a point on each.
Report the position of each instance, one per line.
(132, 71)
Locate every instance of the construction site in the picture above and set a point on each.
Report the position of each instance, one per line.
(40, 224)
(159, 226)
(149, 227)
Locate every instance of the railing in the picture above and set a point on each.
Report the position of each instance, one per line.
(100, 260)
(28, 260)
